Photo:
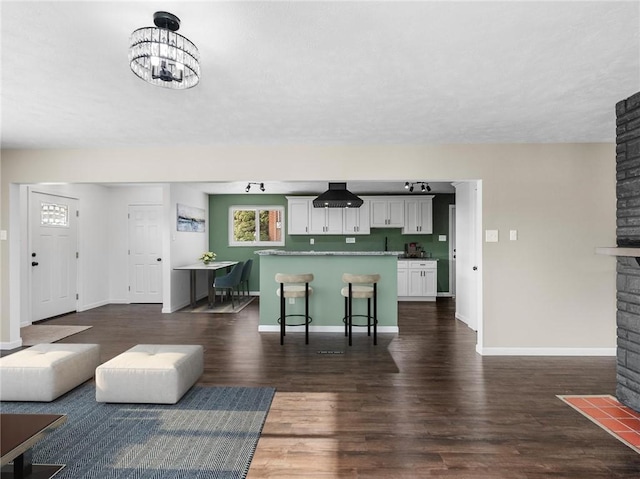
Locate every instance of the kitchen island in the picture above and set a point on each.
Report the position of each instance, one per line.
(326, 305)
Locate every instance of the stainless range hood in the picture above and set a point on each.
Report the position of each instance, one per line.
(337, 196)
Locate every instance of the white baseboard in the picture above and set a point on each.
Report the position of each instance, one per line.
(175, 308)
(417, 298)
(87, 307)
(10, 345)
(546, 351)
(275, 328)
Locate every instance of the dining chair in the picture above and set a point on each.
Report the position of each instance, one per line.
(230, 281)
(244, 279)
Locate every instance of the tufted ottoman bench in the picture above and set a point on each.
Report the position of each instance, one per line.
(149, 373)
(45, 371)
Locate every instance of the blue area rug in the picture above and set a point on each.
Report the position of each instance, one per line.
(211, 433)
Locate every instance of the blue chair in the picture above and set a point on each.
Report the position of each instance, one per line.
(230, 281)
(244, 279)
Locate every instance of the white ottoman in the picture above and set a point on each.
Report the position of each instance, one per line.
(45, 371)
(149, 373)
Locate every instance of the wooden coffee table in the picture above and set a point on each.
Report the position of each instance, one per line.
(18, 434)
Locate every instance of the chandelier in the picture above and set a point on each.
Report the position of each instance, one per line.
(162, 57)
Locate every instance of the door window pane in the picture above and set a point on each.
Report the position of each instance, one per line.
(52, 214)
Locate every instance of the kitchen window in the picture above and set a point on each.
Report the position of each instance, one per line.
(256, 225)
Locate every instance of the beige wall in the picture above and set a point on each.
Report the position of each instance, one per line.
(546, 290)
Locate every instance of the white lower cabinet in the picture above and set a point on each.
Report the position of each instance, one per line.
(403, 278)
(417, 280)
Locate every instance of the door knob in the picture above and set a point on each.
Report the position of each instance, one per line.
(34, 263)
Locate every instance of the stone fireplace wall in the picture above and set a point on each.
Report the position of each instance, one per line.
(628, 234)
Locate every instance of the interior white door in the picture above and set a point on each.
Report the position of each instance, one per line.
(452, 250)
(53, 228)
(467, 267)
(145, 254)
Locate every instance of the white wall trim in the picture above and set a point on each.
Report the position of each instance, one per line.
(97, 304)
(11, 345)
(546, 351)
(176, 307)
(274, 328)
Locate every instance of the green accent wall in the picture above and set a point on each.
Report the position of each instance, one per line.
(219, 235)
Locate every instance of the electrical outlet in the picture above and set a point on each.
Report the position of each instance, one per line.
(312, 241)
(513, 235)
(292, 300)
(442, 237)
(3, 235)
(351, 240)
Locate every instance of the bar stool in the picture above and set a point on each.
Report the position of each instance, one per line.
(294, 286)
(360, 286)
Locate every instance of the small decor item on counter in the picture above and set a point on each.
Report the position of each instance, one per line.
(207, 257)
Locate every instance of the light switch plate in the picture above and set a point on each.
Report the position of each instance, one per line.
(351, 240)
(3, 235)
(442, 237)
(513, 235)
(491, 236)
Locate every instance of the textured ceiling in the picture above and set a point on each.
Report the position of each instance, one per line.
(322, 73)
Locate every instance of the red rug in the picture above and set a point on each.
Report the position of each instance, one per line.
(618, 420)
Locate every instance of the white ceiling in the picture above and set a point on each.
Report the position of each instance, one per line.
(321, 73)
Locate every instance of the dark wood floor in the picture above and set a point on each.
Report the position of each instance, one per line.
(420, 404)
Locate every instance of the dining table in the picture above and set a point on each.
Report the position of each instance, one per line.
(211, 269)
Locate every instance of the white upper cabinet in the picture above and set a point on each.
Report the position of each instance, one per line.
(387, 212)
(327, 221)
(418, 215)
(298, 215)
(304, 219)
(356, 220)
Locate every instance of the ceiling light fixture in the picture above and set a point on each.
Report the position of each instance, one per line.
(424, 186)
(260, 185)
(162, 57)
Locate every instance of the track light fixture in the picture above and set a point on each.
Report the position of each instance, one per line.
(424, 186)
(260, 185)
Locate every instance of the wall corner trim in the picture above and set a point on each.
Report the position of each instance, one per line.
(10, 345)
(546, 351)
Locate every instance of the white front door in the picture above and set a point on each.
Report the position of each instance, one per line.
(145, 254)
(53, 226)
